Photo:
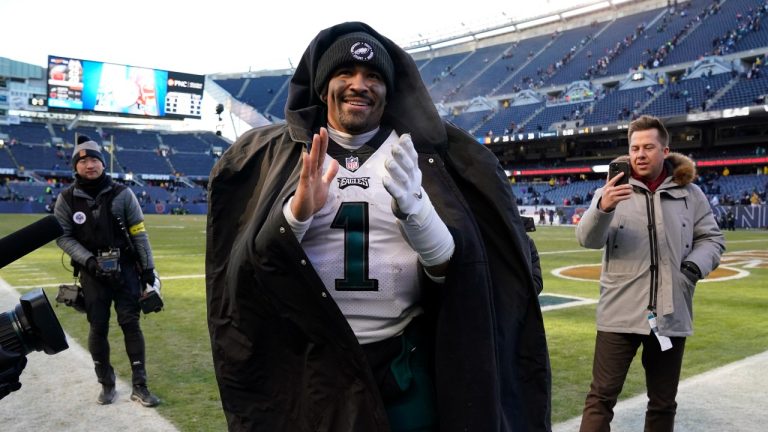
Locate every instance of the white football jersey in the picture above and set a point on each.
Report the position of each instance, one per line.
(356, 247)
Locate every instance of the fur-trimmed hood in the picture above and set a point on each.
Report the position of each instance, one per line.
(683, 169)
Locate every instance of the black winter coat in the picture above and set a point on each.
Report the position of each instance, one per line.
(285, 357)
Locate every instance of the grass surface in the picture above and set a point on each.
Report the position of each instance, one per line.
(730, 320)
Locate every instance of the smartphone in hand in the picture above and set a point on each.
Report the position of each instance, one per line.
(614, 168)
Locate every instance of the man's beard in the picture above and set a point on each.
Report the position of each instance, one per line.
(355, 123)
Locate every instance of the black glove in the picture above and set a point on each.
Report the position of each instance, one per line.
(691, 271)
(11, 366)
(92, 267)
(148, 277)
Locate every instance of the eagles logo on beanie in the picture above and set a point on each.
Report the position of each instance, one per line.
(351, 48)
(86, 147)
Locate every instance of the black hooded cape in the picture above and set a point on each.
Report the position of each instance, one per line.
(285, 357)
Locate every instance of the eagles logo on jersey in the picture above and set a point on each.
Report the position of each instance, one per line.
(345, 182)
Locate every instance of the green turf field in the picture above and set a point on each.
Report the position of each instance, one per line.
(730, 319)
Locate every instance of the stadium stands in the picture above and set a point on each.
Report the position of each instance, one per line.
(259, 92)
(27, 133)
(464, 72)
(504, 67)
(40, 157)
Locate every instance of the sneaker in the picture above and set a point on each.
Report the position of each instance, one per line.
(107, 395)
(142, 395)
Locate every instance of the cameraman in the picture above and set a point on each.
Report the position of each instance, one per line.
(90, 212)
(11, 366)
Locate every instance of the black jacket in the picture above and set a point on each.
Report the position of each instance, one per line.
(284, 355)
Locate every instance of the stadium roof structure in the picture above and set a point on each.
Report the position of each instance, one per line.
(508, 24)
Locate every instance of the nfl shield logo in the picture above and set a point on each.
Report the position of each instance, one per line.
(353, 163)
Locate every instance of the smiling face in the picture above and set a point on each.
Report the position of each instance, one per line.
(356, 96)
(646, 153)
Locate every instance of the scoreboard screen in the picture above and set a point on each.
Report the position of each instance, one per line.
(92, 86)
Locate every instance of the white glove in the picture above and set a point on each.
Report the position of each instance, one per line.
(155, 285)
(420, 224)
(404, 180)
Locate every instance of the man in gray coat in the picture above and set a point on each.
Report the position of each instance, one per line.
(660, 239)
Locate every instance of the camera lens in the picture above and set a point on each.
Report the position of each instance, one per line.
(32, 326)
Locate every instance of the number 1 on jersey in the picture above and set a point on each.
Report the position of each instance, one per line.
(352, 217)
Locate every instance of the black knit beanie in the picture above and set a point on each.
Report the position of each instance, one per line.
(86, 147)
(357, 47)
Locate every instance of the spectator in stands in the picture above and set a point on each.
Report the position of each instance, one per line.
(745, 198)
(648, 283)
(721, 222)
(104, 235)
(730, 220)
(322, 278)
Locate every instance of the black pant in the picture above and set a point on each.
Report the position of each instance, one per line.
(613, 355)
(403, 368)
(99, 295)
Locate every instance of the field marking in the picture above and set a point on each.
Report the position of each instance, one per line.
(41, 279)
(740, 274)
(20, 266)
(568, 251)
(192, 276)
(559, 273)
(578, 301)
(24, 272)
(196, 276)
(747, 263)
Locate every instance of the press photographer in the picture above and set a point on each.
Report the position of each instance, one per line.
(105, 237)
(31, 325)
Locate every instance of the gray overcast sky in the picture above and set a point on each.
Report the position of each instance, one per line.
(225, 35)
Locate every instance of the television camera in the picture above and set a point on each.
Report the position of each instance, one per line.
(31, 325)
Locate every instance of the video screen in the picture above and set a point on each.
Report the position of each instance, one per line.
(84, 85)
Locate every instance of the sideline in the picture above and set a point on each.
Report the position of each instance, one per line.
(58, 393)
(729, 398)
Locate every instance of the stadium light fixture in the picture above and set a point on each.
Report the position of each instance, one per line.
(219, 110)
(600, 168)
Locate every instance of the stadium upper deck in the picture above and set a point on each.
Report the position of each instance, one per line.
(539, 93)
